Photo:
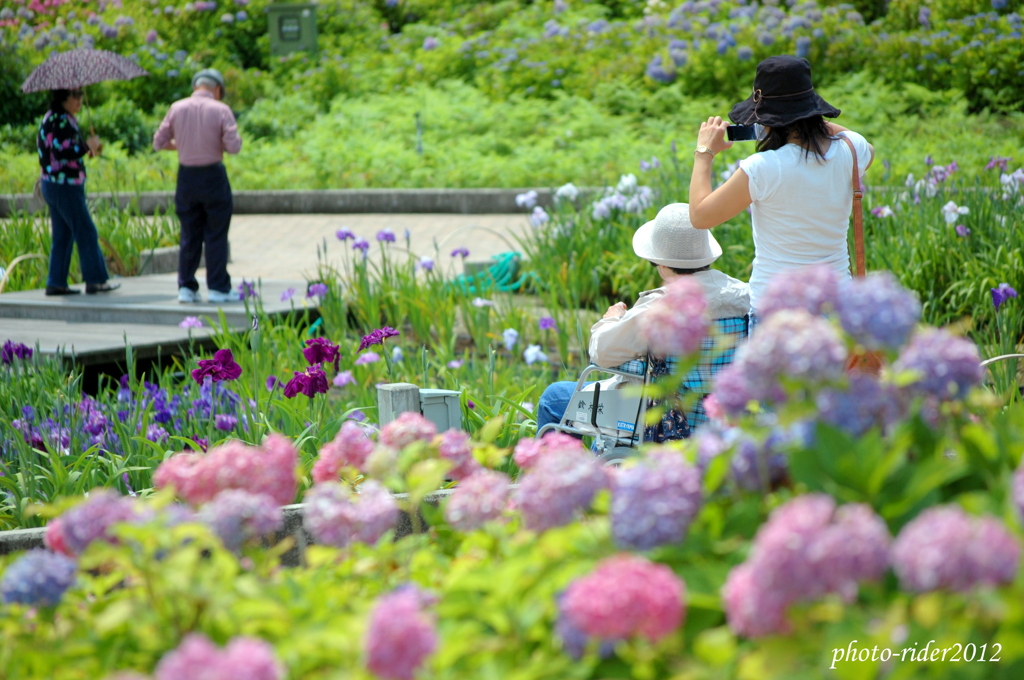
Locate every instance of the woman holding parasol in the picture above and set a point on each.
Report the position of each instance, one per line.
(62, 151)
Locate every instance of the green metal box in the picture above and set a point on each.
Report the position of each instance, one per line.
(292, 28)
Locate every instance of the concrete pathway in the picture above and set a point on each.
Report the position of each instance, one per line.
(285, 246)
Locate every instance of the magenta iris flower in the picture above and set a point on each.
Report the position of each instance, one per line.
(321, 351)
(221, 367)
(377, 337)
(1002, 293)
(311, 382)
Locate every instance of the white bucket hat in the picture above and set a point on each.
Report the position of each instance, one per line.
(671, 240)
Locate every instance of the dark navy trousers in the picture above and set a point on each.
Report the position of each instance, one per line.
(204, 206)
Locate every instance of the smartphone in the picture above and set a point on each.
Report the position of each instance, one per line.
(744, 133)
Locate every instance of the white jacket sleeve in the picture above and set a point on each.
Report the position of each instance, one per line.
(616, 341)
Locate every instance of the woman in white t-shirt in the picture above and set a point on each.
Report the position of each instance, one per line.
(799, 183)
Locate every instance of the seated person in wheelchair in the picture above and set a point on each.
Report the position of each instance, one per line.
(677, 249)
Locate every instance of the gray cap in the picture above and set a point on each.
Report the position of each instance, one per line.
(212, 74)
(671, 240)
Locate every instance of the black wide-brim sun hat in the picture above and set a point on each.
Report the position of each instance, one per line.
(783, 93)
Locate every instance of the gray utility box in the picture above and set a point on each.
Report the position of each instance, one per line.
(292, 28)
(442, 408)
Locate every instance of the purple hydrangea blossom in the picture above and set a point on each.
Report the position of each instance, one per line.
(479, 498)
(757, 466)
(654, 501)
(877, 311)
(677, 323)
(656, 71)
(864, 403)
(238, 516)
(336, 516)
(92, 519)
(411, 427)
(945, 548)
(794, 344)
(37, 579)
(557, 486)
(430, 43)
(400, 635)
(807, 549)
(949, 366)
(814, 289)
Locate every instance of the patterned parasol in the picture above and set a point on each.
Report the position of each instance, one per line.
(80, 67)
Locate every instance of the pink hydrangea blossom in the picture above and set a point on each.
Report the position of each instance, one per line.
(626, 595)
(456, 448)
(407, 428)
(349, 448)
(557, 487)
(479, 498)
(677, 323)
(198, 658)
(336, 516)
(401, 635)
(268, 469)
(529, 451)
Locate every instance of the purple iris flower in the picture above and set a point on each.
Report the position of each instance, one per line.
(321, 351)
(998, 162)
(344, 234)
(426, 264)
(547, 323)
(317, 290)
(311, 382)
(377, 337)
(962, 231)
(361, 244)
(247, 289)
(343, 378)
(287, 295)
(221, 367)
(272, 382)
(463, 252)
(225, 422)
(14, 350)
(386, 236)
(1002, 293)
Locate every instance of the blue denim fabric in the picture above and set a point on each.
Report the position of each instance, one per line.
(552, 404)
(72, 224)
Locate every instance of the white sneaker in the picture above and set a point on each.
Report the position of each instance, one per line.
(188, 295)
(229, 296)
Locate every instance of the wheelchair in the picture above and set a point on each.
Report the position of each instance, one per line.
(617, 418)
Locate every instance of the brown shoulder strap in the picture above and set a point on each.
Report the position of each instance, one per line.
(858, 214)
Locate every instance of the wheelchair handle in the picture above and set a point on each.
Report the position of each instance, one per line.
(593, 405)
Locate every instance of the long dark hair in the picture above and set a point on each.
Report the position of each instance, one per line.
(812, 132)
(57, 99)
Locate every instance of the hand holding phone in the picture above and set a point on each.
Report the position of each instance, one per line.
(744, 133)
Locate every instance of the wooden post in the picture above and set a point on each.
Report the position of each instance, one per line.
(396, 398)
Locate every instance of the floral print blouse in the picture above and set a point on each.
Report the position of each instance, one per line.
(61, 149)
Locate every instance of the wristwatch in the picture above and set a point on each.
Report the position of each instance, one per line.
(704, 149)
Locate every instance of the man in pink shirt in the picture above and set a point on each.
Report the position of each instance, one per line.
(201, 128)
